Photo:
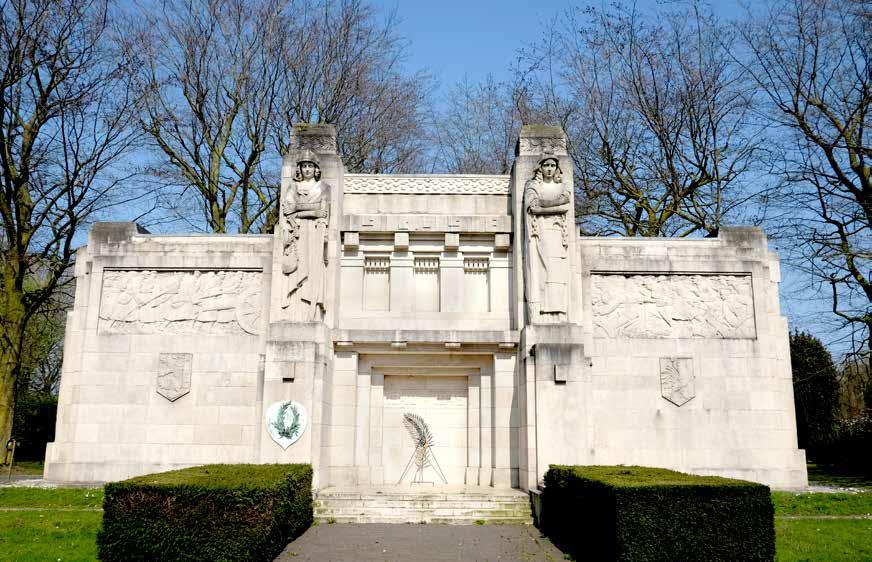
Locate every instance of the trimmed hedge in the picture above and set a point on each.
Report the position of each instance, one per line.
(638, 513)
(212, 512)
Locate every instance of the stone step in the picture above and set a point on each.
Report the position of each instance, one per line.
(399, 520)
(429, 497)
(326, 512)
(423, 503)
(465, 506)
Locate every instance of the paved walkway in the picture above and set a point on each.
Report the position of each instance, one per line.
(421, 543)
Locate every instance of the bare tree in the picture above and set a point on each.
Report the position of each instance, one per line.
(224, 81)
(208, 74)
(658, 114)
(812, 59)
(476, 133)
(345, 68)
(64, 126)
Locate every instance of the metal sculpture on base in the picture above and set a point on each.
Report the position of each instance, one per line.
(423, 456)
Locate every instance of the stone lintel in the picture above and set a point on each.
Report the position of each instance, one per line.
(450, 339)
(427, 223)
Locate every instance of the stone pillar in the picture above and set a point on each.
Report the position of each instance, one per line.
(473, 439)
(548, 306)
(376, 429)
(505, 416)
(304, 295)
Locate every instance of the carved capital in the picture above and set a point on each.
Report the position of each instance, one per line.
(538, 140)
(317, 138)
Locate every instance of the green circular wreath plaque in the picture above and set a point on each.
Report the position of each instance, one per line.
(286, 421)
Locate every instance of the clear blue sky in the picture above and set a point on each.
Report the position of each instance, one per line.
(473, 38)
(454, 39)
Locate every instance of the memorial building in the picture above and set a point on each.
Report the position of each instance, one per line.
(426, 328)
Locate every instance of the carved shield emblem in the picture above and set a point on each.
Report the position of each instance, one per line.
(174, 375)
(286, 421)
(676, 379)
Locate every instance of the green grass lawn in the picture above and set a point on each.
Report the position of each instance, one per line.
(814, 538)
(827, 476)
(49, 535)
(790, 503)
(56, 524)
(823, 539)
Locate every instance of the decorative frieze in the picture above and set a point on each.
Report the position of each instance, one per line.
(672, 306)
(181, 302)
(478, 264)
(421, 184)
(427, 264)
(320, 142)
(377, 264)
(542, 145)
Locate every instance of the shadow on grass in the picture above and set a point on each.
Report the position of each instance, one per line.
(829, 475)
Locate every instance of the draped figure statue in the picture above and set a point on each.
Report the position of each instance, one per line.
(546, 206)
(305, 216)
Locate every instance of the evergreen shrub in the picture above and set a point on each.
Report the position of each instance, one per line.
(639, 513)
(212, 512)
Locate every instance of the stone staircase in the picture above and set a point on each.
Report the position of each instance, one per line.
(454, 505)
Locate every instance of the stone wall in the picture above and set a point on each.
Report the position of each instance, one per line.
(686, 364)
(163, 354)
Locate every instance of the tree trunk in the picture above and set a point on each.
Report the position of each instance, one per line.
(10, 353)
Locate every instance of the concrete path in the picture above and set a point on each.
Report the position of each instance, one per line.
(424, 543)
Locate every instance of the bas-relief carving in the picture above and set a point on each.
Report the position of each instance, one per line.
(672, 306)
(677, 380)
(465, 185)
(305, 211)
(315, 143)
(542, 145)
(181, 302)
(546, 205)
(174, 375)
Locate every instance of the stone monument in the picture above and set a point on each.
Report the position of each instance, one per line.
(468, 301)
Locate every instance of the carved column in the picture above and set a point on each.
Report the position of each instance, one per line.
(551, 372)
(304, 292)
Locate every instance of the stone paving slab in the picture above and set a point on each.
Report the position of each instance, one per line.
(420, 543)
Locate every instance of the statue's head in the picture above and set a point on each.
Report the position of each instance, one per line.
(308, 167)
(548, 169)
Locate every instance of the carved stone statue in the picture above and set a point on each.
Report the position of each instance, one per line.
(546, 204)
(305, 217)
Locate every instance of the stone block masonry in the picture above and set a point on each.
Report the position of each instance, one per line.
(466, 300)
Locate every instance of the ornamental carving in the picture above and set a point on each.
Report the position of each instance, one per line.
(181, 302)
(672, 306)
(305, 212)
(286, 422)
(547, 201)
(315, 143)
(542, 145)
(174, 375)
(677, 380)
(466, 185)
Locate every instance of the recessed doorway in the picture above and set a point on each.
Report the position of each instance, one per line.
(441, 401)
